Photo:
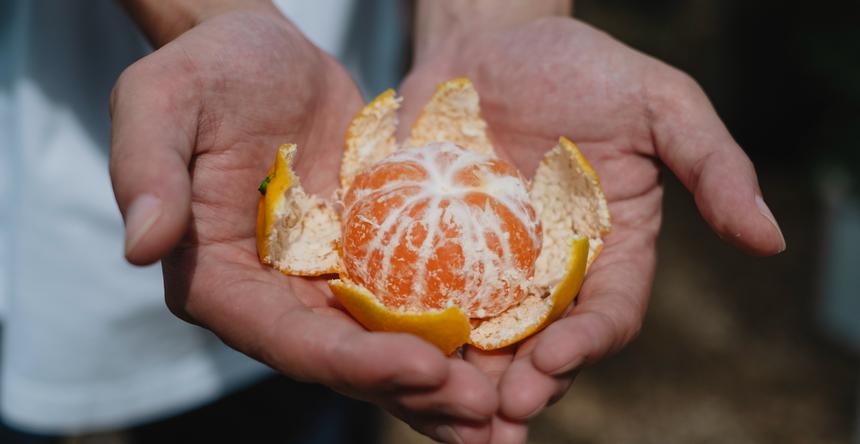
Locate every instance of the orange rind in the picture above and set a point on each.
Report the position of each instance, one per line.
(297, 232)
(452, 115)
(447, 329)
(370, 136)
(303, 235)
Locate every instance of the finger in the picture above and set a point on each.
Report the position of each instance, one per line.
(154, 114)
(609, 309)
(448, 431)
(341, 354)
(526, 391)
(262, 317)
(492, 363)
(443, 428)
(505, 431)
(692, 140)
(467, 394)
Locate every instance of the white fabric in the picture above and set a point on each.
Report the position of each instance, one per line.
(87, 340)
(324, 22)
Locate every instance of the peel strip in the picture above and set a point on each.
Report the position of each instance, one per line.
(447, 329)
(453, 115)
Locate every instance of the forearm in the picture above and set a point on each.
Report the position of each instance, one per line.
(164, 20)
(443, 22)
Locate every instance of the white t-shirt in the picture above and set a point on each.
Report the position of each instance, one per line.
(87, 342)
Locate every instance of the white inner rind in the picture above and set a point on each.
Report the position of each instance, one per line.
(303, 239)
(453, 115)
(513, 322)
(370, 137)
(569, 203)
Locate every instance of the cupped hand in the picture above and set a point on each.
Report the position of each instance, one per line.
(628, 113)
(195, 128)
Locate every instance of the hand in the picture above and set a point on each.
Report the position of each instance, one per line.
(627, 112)
(195, 128)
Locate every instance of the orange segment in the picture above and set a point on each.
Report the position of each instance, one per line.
(447, 329)
(437, 226)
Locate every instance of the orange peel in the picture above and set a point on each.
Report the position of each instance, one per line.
(370, 136)
(452, 115)
(447, 329)
(296, 231)
(301, 234)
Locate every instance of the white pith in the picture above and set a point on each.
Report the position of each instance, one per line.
(453, 115)
(570, 202)
(374, 128)
(305, 233)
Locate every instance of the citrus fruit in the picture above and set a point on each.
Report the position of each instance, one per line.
(437, 226)
(438, 237)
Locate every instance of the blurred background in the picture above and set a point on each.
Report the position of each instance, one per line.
(737, 349)
(734, 349)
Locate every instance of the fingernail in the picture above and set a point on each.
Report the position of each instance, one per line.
(141, 215)
(447, 434)
(765, 211)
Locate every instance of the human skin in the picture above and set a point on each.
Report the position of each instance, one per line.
(196, 123)
(195, 128)
(543, 77)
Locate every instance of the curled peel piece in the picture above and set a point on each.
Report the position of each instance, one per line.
(452, 115)
(567, 197)
(447, 329)
(370, 136)
(297, 233)
(544, 304)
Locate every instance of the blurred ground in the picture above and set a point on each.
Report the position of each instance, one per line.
(729, 352)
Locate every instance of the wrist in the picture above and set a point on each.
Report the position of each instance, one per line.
(162, 21)
(442, 24)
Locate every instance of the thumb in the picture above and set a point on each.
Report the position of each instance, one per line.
(693, 142)
(152, 138)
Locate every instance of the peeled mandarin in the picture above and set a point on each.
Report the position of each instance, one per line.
(437, 226)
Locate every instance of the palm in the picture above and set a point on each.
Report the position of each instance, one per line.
(578, 82)
(626, 111)
(559, 77)
(254, 98)
(196, 124)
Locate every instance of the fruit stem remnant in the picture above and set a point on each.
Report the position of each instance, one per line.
(265, 184)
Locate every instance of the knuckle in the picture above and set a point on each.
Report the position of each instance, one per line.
(674, 92)
(684, 82)
(156, 83)
(129, 80)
